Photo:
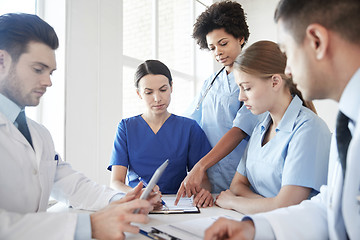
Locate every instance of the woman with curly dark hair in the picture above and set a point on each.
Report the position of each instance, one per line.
(222, 29)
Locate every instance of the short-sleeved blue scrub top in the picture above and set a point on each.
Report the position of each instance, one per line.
(219, 112)
(137, 147)
(297, 155)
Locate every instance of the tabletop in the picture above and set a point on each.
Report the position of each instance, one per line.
(157, 220)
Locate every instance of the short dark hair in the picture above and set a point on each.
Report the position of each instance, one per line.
(226, 14)
(341, 16)
(18, 29)
(151, 67)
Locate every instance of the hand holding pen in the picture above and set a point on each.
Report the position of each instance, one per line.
(145, 185)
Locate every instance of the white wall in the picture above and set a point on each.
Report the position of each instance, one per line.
(260, 15)
(93, 84)
(51, 110)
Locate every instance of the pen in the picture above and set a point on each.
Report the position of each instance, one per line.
(56, 158)
(145, 185)
(149, 235)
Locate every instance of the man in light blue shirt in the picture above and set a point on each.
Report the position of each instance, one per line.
(322, 42)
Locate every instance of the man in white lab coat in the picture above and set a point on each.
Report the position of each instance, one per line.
(30, 169)
(321, 39)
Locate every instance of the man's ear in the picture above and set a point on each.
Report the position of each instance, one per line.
(3, 60)
(276, 81)
(318, 37)
(5, 63)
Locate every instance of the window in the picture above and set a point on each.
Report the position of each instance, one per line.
(160, 29)
(26, 6)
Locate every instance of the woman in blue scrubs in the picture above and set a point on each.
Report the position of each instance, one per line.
(286, 159)
(144, 142)
(223, 30)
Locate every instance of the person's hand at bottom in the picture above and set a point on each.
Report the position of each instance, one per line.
(112, 221)
(225, 228)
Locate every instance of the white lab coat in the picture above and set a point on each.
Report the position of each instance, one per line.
(28, 177)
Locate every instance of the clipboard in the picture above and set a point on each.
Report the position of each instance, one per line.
(185, 205)
(175, 211)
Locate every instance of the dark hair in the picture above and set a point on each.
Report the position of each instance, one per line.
(263, 59)
(226, 14)
(151, 67)
(18, 29)
(341, 16)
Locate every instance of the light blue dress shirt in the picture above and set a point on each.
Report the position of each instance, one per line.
(297, 155)
(9, 108)
(219, 112)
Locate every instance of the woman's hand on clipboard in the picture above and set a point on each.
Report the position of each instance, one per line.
(191, 185)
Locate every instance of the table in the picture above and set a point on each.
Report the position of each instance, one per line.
(161, 219)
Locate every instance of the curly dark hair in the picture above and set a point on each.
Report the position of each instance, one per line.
(225, 14)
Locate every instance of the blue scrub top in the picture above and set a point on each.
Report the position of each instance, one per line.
(297, 155)
(219, 112)
(137, 147)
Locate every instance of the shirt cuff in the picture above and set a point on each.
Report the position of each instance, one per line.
(263, 228)
(83, 227)
(116, 197)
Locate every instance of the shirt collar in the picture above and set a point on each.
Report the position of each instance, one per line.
(350, 101)
(224, 74)
(288, 120)
(9, 108)
(265, 124)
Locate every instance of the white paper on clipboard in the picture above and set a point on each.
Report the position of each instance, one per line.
(185, 205)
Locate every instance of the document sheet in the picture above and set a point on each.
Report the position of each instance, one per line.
(185, 205)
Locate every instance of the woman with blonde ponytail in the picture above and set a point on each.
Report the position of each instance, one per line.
(287, 156)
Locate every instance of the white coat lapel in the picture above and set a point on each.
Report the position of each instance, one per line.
(8, 128)
(351, 206)
(37, 142)
(13, 131)
(335, 188)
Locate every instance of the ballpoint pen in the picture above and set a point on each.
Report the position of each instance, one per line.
(148, 234)
(145, 185)
(56, 158)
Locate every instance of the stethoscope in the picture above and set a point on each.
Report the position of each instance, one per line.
(208, 89)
